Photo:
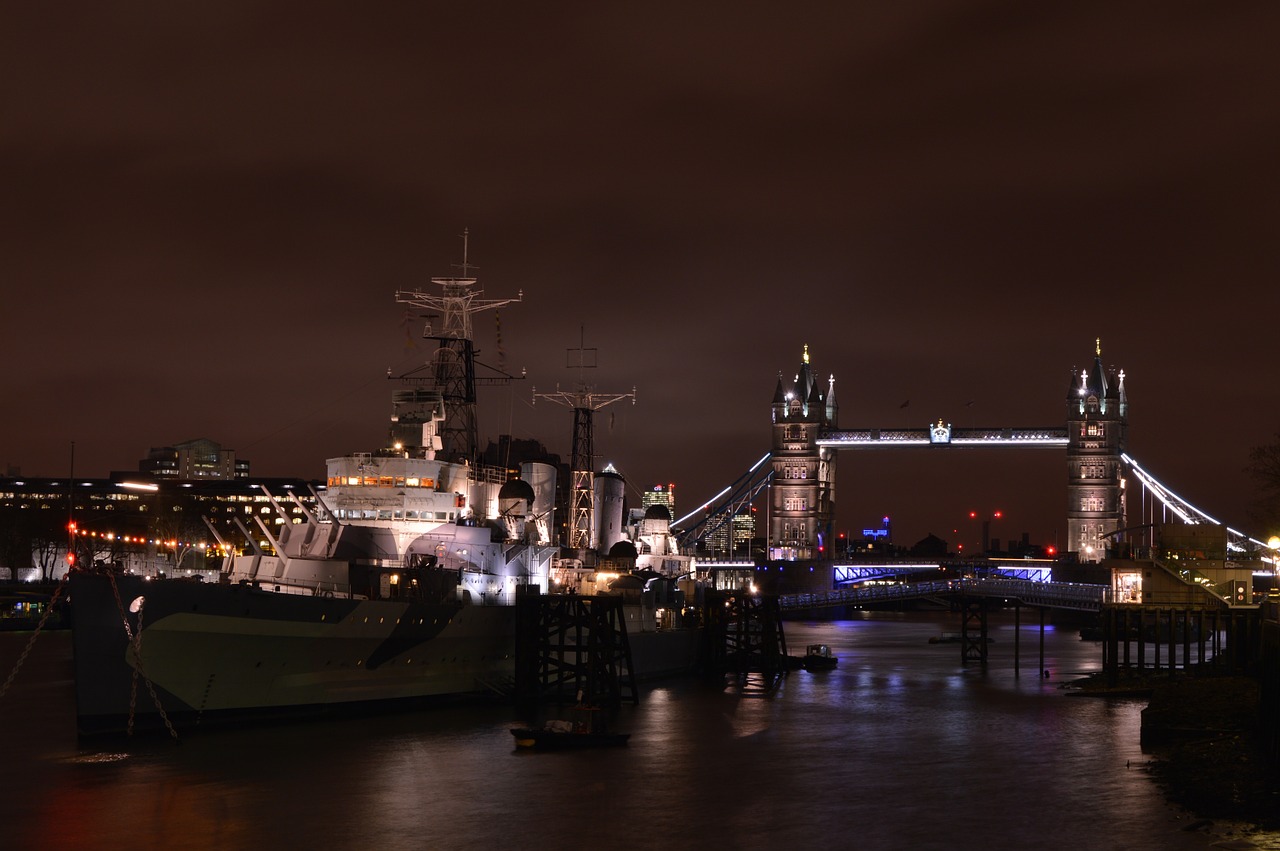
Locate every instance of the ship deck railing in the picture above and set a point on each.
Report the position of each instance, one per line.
(489, 475)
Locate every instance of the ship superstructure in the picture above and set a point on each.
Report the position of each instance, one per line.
(400, 585)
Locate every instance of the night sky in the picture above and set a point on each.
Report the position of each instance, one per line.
(205, 211)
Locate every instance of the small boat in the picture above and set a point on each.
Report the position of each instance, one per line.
(565, 735)
(559, 734)
(817, 657)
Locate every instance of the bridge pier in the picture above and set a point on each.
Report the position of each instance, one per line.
(973, 616)
(744, 634)
(1017, 638)
(1165, 628)
(569, 643)
(1017, 630)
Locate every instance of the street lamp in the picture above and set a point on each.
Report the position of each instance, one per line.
(1273, 544)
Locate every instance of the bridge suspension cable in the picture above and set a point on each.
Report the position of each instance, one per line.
(722, 507)
(1185, 511)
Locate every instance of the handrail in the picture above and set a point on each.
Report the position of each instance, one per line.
(1062, 595)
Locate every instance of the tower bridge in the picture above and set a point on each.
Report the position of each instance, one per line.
(799, 471)
(1207, 593)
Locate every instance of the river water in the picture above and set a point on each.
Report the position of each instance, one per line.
(901, 746)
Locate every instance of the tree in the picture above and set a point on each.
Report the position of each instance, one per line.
(50, 557)
(1264, 469)
(15, 543)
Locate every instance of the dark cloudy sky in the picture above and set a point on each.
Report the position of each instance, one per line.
(205, 210)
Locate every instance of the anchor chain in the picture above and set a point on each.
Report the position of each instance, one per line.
(57, 592)
(135, 642)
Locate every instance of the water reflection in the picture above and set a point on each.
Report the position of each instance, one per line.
(900, 746)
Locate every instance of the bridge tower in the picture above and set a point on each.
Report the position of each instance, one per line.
(803, 494)
(1097, 422)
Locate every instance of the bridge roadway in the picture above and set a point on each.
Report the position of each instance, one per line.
(1053, 595)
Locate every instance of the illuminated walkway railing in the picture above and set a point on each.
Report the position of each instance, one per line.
(1056, 595)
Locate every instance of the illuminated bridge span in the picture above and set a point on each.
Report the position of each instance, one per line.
(1053, 595)
(943, 435)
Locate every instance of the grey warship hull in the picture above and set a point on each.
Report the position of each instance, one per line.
(214, 653)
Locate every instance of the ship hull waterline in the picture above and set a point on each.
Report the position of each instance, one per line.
(219, 654)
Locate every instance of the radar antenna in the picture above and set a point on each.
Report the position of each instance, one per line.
(585, 402)
(449, 378)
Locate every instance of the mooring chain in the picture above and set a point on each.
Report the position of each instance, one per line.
(137, 653)
(135, 641)
(53, 601)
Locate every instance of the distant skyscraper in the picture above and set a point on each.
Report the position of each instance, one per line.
(742, 529)
(660, 496)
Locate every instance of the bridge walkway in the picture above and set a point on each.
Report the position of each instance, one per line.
(1054, 595)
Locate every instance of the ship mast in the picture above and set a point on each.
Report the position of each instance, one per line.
(584, 402)
(451, 372)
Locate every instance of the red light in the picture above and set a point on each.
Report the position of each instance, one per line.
(1050, 550)
(71, 558)
(999, 514)
(973, 514)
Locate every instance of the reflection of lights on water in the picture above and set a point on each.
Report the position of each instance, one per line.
(96, 758)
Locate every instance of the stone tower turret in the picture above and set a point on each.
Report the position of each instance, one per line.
(803, 494)
(1097, 422)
